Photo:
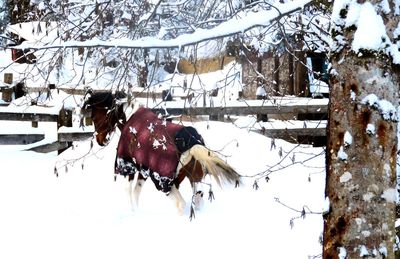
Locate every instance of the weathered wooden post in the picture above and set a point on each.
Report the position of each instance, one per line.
(7, 91)
(64, 119)
(261, 94)
(8, 78)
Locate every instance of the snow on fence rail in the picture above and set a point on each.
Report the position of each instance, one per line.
(27, 116)
(272, 105)
(249, 108)
(290, 105)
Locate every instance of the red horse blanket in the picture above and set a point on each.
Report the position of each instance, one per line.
(148, 143)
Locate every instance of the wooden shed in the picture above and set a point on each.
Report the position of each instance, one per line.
(281, 73)
(278, 71)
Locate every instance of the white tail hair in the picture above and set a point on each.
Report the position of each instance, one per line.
(214, 165)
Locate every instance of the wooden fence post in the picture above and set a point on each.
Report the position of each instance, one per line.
(64, 119)
(8, 78)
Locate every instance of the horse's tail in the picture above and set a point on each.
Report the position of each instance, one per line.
(214, 165)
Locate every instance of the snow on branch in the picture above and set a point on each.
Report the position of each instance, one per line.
(233, 26)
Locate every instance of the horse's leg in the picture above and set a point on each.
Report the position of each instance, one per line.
(197, 198)
(195, 178)
(138, 188)
(128, 189)
(126, 167)
(176, 197)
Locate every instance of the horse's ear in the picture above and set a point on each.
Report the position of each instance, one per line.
(87, 98)
(85, 105)
(120, 98)
(120, 95)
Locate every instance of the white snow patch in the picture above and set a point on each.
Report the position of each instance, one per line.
(383, 250)
(341, 154)
(370, 129)
(371, 100)
(396, 32)
(397, 7)
(336, 18)
(342, 253)
(363, 251)
(346, 176)
(93, 214)
(352, 95)
(327, 205)
(385, 6)
(386, 108)
(390, 195)
(371, 31)
(368, 196)
(348, 139)
(261, 91)
(366, 233)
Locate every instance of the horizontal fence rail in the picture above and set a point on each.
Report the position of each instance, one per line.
(295, 106)
(19, 116)
(242, 110)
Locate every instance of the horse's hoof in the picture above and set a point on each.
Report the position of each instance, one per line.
(198, 200)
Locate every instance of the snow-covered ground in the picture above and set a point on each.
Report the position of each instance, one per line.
(84, 213)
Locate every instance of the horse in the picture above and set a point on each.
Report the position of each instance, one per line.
(155, 147)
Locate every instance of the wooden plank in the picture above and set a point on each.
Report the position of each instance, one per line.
(244, 110)
(20, 139)
(64, 138)
(16, 116)
(80, 91)
(294, 132)
(49, 147)
(74, 136)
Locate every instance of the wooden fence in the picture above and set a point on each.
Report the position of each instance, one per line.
(284, 106)
(276, 106)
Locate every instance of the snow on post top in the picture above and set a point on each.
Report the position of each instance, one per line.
(370, 32)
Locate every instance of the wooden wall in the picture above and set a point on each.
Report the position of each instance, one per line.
(283, 74)
(205, 65)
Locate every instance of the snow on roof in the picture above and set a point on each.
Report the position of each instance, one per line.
(53, 99)
(35, 32)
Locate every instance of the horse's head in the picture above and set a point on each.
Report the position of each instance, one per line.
(106, 114)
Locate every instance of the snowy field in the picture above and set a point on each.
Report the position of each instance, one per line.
(84, 213)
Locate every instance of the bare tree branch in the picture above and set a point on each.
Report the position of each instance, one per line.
(226, 29)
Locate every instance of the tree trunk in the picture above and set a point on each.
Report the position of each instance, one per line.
(361, 155)
(19, 11)
(4, 20)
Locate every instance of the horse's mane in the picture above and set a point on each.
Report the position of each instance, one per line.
(102, 99)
